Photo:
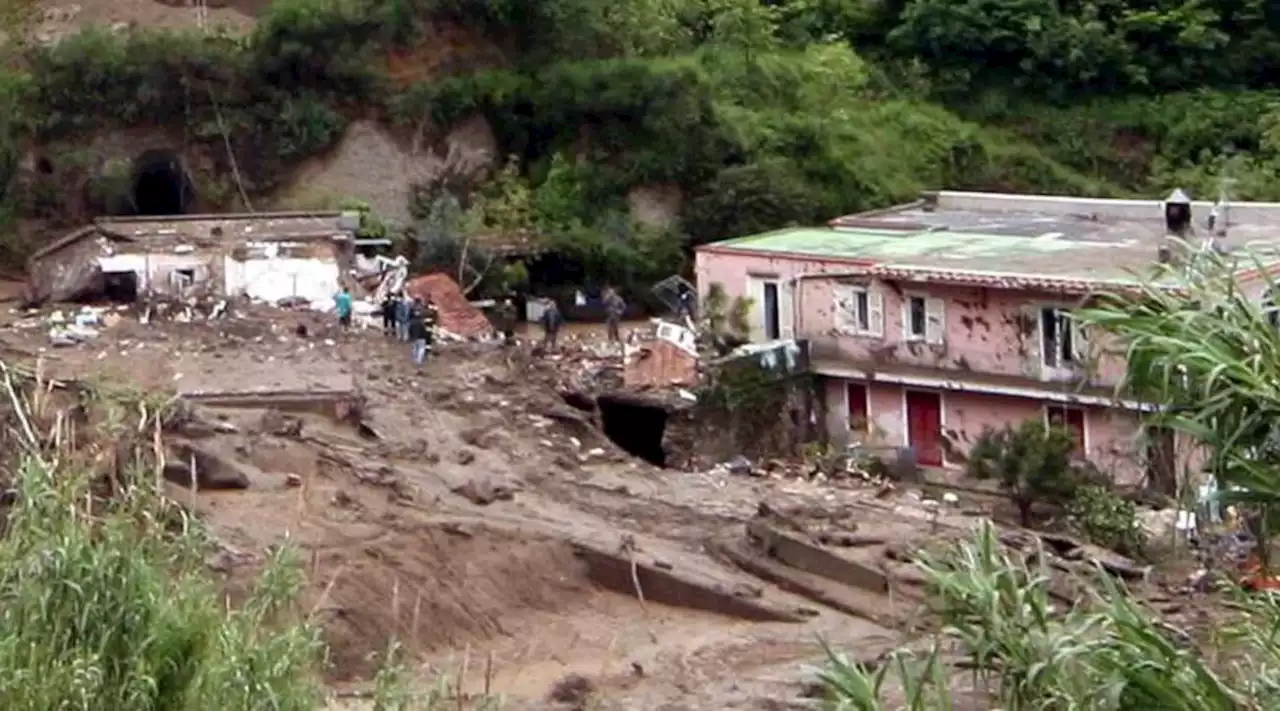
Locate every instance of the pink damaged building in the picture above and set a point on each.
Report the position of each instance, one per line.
(931, 321)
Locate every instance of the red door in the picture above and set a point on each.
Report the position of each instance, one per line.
(1072, 419)
(857, 396)
(924, 426)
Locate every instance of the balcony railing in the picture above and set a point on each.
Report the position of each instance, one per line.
(836, 353)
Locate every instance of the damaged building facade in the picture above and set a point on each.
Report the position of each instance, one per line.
(268, 257)
(930, 322)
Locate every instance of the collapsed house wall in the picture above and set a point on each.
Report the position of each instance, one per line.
(668, 358)
(270, 257)
(161, 273)
(276, 272)
(71, 271)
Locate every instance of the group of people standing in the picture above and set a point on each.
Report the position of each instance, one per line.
(551, 320)
(411, 320)
(404, 318)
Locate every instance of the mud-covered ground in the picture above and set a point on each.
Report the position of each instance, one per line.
(493, 530)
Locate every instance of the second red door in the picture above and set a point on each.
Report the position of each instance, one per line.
(924, 426)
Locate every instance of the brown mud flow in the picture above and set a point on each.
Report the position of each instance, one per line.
(484, 523)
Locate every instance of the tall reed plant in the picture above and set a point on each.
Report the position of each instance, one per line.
(1107, 653)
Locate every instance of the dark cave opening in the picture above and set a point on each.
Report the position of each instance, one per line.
(160, 184)
(635, 426)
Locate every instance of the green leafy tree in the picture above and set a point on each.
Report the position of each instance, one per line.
(504, 205)
(560, 198)
(1031, 462)
(371, 226)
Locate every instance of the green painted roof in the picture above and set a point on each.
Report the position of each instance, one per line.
(1051, 255)
(891, 245)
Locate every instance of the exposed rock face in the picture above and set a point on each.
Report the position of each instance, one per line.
(56, 21)
(92, 174)
(372, 165)
(657, 205)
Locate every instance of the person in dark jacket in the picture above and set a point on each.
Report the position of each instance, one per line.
(551, 322)
(389, 315)
(685, 303)
(507, 321)
(419, 334)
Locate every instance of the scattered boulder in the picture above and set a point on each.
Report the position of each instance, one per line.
(480, 437)
(483, 492)
(573, 689)
(738, 465)
(212, 471)
(279, 424)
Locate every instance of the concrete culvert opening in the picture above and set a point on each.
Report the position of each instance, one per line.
(635, 425)
(160, 184)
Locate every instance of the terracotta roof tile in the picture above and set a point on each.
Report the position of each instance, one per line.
(457, 315)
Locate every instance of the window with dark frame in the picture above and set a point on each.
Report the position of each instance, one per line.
(916, 317)
(862, 311)
(1058, 338)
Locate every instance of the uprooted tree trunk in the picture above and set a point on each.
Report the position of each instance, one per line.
(479, 273)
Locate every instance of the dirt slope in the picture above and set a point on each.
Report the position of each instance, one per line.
(485, 526)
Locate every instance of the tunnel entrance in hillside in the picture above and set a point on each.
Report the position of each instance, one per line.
(634, 425)
(160, 184)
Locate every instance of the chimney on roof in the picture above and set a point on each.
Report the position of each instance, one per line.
(1164, 254)
(1177, 213)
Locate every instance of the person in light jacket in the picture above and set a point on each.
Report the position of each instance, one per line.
(419, 335)
(403, 307)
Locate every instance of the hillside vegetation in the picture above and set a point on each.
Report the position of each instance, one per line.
(762, 113)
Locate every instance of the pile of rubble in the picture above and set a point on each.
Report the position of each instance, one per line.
(68, 329)
(842, 468)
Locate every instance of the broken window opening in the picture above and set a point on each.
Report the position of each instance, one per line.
(119, 287)
(862, 312)
(635, 426)
(772, 318)
(1058, 338)
(182, 278)
(915, 317)
(859, 311)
